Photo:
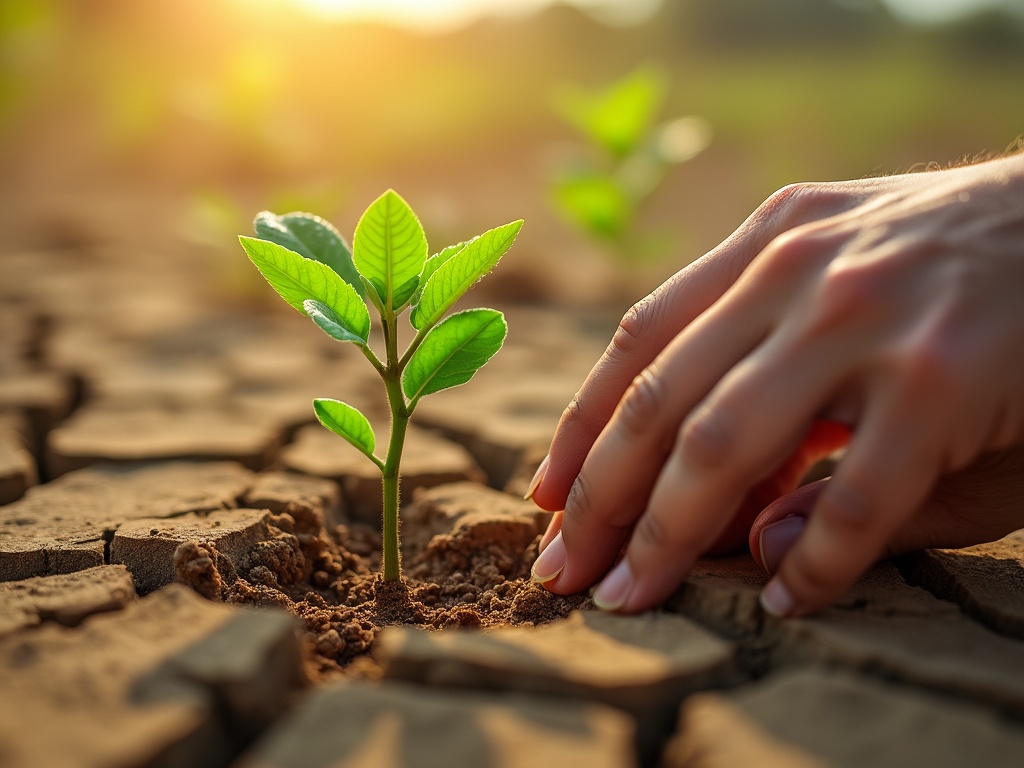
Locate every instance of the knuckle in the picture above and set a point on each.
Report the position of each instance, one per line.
(929, 365)
(844, 288)
(846, 281)
(800, 252)
(806, 201)
(705, 440)
(572, 416)
(928, 369)
(841, 295)
(845, 505)
(655, 533)
(789, 255)
(642, 404)
(935, 356)
(783, 203)
(577, 503)
(629, 334)
(651, 532)
(808, 578)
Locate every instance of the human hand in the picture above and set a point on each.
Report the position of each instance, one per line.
(891, 305)
(983, 502)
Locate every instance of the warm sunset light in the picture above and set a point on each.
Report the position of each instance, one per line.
(437, 13)
(296, 292)
(442, 15)
(447, 14)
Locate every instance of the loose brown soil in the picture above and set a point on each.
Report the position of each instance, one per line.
(330, 580)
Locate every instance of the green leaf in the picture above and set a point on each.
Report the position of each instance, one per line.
(453, 351)
(329, 322)
(619, 116)
(596, 204)
(390, 249)
(407, 290)
(371, 294)
(297, 279)
(347, 422)
(431, 265)
(312, 237)
(456, 275)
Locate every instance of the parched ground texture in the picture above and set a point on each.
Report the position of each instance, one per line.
(187, 572)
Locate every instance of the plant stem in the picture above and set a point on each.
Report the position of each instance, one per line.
(390, 475)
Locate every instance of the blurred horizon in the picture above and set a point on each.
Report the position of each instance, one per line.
(167, 125)
(449, 15)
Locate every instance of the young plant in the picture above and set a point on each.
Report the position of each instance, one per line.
(311, 266)
(626, 156)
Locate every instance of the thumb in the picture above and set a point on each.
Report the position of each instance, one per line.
(982, 503)
(782, 522)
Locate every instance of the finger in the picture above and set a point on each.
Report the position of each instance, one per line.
(821, 441)
(739, 435)
(948, 518)
(552, 530)
(889, 469)
(612, 488)
(774, 532)
(977, 504)
(644, 332)
(649, 326)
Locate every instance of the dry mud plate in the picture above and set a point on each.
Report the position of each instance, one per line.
(187, 575)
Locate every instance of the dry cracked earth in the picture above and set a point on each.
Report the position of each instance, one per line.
(186, 572)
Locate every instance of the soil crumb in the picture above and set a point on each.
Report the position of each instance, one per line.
(474, 577)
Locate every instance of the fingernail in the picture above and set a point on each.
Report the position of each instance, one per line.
(552, 530)
(538, 477)
(776, 599)
(551, 561)
(613, 591)
(777, 539)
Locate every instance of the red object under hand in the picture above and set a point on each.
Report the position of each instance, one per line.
(821, 439)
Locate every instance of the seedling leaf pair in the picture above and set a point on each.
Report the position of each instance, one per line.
(390, 249)
(432, 265)
(308, 263)
(453, 352)
(312, 237)
(458, 271)
(299, 280)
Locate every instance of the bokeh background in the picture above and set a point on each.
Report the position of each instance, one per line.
(158, 128)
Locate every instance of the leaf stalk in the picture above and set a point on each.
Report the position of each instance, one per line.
(391, 470)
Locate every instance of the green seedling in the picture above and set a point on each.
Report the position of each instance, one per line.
(311, 266)
(627, 154)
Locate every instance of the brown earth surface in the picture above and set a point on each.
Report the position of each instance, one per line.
(473, 574)
(188, 568)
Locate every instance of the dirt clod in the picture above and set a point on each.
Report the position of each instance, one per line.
(196, 566)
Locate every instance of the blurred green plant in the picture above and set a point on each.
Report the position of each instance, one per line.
(311, 266)
(29, 40)
(626, 155)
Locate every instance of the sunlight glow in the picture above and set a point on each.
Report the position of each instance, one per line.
(443, 15)
(451, 14)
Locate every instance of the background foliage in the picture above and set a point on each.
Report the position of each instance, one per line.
(170, 123)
